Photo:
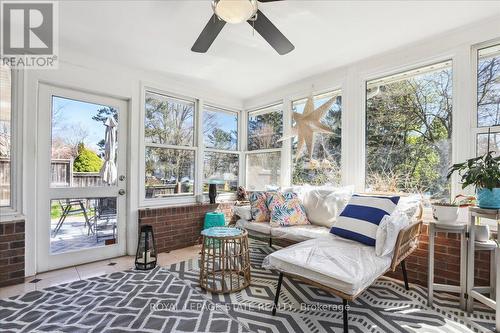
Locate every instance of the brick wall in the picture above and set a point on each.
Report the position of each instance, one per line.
(180, 226)
(446, 263)
(11, 253)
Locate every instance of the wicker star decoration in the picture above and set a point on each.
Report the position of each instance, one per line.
(308, 123)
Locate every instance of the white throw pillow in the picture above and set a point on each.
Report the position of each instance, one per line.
(388, 231)
(409, 205)
(244, 212)
(323, 204)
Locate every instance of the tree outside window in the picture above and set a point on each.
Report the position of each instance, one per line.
(408, 131)
(169, 136)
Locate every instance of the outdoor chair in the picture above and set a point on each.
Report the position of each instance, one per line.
(72, 207)
(104, 217)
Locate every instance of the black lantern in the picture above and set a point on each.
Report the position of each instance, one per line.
(145, 258)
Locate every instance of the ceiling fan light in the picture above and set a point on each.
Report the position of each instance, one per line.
(235, 11)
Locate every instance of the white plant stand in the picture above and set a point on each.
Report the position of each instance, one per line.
(473, 292)
(461, 229)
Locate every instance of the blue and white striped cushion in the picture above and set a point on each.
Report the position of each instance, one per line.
(360, 218)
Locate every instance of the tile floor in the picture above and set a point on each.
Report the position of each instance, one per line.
(85, 271)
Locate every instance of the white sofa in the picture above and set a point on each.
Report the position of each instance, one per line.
(322, 204)
(341, 266)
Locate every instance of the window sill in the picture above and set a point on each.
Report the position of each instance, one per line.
(11, 217)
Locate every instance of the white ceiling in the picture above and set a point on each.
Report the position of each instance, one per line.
(158, 35)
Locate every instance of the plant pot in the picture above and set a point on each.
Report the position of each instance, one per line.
(445, 213)
(489, 199)
(482, 233)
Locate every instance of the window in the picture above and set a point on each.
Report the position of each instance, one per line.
(265, 128)
(221, 161)
(324, 167)
(263, 158)
(488, 99)
(408, 131)
(169, 146)
(263, 170)
(5, 136)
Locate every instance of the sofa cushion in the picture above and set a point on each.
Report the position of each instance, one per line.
(300, 233)
(338, 263)
(260, 212)
(286, 209)
(323, 204)
(260, 227)
(360, 218)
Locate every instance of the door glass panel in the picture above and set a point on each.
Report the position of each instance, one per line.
(84, 144)
(82, 223)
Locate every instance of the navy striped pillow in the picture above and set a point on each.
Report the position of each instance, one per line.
(360, 218)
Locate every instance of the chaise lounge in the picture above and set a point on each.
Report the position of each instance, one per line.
(344, 267)
(340, 266)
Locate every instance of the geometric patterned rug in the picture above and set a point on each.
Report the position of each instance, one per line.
(131, 301)
(384, 307)
(169, 300)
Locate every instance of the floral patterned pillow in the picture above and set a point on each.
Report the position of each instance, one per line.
(286, 209)
(259, 210)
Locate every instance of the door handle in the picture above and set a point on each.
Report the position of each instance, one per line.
(121, 178)
(121, 192)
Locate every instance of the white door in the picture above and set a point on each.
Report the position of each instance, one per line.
(80, 212)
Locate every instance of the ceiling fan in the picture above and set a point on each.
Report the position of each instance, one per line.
(238, 11)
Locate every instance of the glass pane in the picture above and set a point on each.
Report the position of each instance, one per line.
(83, 223)
(265, 128)
(169, 172)
(5, 134)
(220, 129)
(263, 171)
(84, 144)
(408, 131)
(482, 143)
(168, 120)
(324, 168)
(221, 169)
(488, 86)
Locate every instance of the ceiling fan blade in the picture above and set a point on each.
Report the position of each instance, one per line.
(271, 34)
(208, 35)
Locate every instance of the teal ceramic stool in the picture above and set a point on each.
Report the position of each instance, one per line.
(214, 219)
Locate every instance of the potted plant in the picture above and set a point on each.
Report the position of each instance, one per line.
(447, 212)
(483, 173)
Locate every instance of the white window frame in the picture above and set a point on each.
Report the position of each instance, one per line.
(198, 147)
(337, 91)
(414, 67)
(182, 198)
(273, 107)
(204, 149)
(476, 130)
(15, 209)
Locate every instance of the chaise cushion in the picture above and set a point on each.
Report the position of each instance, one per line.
(259, 227)
(360, 218)
(341, 264)
(299, 233)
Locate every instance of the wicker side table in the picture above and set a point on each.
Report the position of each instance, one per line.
(225, 260)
